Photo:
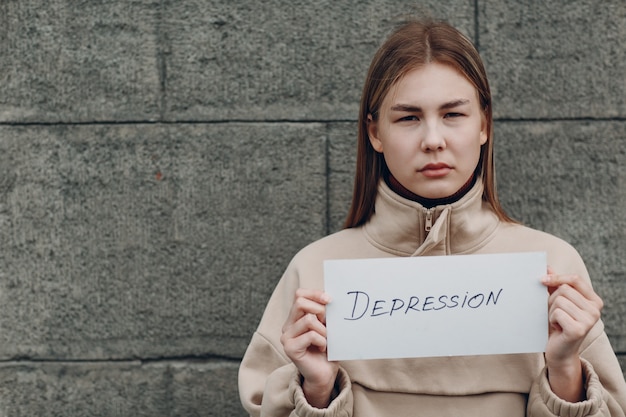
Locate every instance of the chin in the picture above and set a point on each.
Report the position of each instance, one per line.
(436, 194)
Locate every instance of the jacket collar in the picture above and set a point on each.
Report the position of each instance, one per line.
(405, 228)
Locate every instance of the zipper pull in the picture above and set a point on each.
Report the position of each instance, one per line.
(429, 220)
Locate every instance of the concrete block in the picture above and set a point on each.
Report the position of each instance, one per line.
(278, 60)
(567, 178)
(117, 389)
(76, 390)
(342, 138)
(206, 389)
(147, 240)
(93, 62)
(613, 294)
(555, 60)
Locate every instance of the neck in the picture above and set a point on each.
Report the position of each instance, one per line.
(399, 189)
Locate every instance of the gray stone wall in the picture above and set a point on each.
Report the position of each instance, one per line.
(162, 160)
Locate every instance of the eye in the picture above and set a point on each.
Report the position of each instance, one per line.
(452, 115)
(410, 118)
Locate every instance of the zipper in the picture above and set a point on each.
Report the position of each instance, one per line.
(429, 219)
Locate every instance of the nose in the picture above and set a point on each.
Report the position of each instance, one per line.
(433, 138)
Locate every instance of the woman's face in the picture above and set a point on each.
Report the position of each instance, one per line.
(430, 129)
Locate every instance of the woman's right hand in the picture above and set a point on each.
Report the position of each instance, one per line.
(304, 342)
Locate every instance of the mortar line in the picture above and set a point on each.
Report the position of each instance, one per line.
(476, 26)
(327, 178)
(177, 122)
(130, 361)
(559, 119)
(292, 121)
(161, 62)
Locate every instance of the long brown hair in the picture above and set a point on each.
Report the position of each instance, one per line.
(414, 44)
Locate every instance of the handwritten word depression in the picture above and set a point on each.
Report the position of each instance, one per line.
(389, 307)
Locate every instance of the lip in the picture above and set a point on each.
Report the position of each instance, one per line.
(435, 170)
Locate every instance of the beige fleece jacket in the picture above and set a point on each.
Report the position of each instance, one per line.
(481, 386)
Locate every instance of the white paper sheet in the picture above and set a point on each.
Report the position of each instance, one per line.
(436, 306)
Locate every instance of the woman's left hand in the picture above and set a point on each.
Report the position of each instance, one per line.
(573, 309)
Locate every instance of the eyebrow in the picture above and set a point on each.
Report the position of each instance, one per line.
(410, 108)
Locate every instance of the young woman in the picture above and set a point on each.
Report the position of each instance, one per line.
(425, 185)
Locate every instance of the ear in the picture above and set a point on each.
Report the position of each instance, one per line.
(483, 129)
(372, 133)
(483, 137)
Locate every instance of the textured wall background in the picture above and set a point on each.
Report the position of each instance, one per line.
(162, 160)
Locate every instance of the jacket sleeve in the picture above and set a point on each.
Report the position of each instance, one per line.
(269, 383)
(604, 384)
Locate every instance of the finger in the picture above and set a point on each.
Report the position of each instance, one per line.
(313, 294)
(305, 324)
(571, 294)
(297, 347)
(317, 296)
(571, 329)
(575, 281)
(301, 308)
(572, 323)
(308, 302)
(575, 305)
(546, 279)
(311, 301)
